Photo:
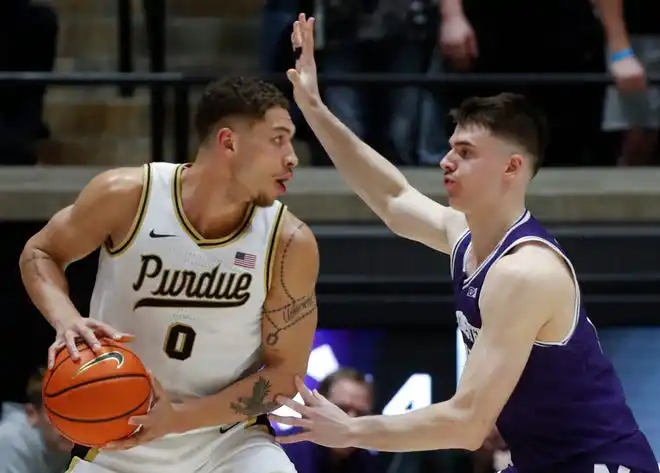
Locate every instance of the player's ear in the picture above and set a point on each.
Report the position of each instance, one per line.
(515, 164)
(226, 139)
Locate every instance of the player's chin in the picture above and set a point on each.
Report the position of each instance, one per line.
(455, 202)
(264, 200)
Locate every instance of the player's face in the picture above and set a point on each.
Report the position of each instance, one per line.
(478, 168)
(51, 437)
(267, 158)
(353, 398)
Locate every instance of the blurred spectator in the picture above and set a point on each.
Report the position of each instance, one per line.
(276, 56)
(350, 390)
(522, 36)
(632, 29)
(28, 443)
(28, 41)
(383, 36)
(433, 139)
(276, 20)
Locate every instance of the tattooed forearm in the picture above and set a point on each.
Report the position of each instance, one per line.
(258, 402)
(290, 315)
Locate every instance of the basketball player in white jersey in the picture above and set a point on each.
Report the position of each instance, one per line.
(210, 277)
(535, 365)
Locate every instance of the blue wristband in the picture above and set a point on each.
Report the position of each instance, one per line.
(623, 54)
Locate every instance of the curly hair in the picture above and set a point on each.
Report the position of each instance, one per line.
(243, 97)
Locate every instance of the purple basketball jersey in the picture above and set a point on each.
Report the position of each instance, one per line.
(568, 411)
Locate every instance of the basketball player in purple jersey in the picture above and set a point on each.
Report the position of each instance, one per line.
(535, 368)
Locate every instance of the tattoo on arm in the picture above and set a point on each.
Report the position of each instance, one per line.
(285, 252)
(296, 309)
(35, 256)
(292, 313)
(33, 261)
(257, 403)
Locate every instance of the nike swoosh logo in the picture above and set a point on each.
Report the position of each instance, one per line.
(113, 355)
(153, 234)
(226, 428)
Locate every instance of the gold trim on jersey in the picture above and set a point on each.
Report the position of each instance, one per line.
(89, 457)
(271, 249)
(137, 220)
(190, 229)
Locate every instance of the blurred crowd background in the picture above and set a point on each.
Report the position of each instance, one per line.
(395, 68)
(592, 124)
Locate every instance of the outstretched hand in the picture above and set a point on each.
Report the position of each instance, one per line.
(322, 422)
(303, 77)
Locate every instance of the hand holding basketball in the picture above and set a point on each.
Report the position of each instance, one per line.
(161, 420)
(90, 401)
(84, 328)
(303, 77)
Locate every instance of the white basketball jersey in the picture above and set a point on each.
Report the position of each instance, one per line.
(193, 304)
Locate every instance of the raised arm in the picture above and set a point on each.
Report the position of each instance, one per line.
(288, 327)
(379, 184)
(103, 210)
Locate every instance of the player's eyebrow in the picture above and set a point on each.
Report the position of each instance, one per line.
(455, 143)
(286, 129)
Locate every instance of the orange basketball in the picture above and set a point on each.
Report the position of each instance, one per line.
(90, 401)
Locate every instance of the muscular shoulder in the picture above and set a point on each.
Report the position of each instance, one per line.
(120, 183)
(104, 209)
(297, 255)
(113, 196)
(533, 275)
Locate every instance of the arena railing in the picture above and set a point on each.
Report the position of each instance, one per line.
(154, 13)
(159, 82)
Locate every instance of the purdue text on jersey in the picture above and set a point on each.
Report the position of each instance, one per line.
(171, 287)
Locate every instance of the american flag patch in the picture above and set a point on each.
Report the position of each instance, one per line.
(245, 260)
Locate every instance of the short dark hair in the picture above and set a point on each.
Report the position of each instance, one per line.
(243, 97)
(509, 116)
(346, 372)
(33, 388)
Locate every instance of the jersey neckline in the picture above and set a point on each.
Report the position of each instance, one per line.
(523, 218)
(190, 230)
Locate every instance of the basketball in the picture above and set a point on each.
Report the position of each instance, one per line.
(90, 401)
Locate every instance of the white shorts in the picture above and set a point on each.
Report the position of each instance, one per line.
(242, 449)
(639, 110)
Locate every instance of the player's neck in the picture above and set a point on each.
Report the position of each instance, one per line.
(213, 206)
(489, 225)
